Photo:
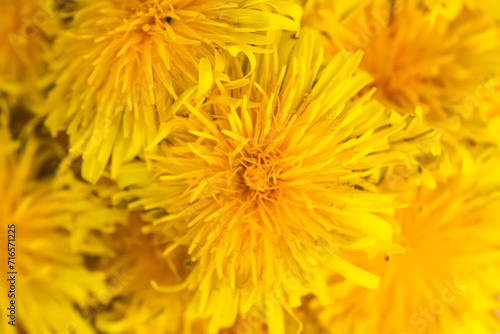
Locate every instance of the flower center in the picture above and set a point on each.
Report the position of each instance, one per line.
(258, 177)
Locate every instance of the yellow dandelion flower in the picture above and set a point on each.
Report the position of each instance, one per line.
(46, 226)
(447, 280)
(136, 307)
(266, 181)
(120, 64)
(441, 66)
(24, 36)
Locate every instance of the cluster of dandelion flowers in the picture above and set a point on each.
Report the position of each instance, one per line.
(271, 177)
(244, 167)
(121, 64)
(53, 220)
(452, 258)
(440, 65)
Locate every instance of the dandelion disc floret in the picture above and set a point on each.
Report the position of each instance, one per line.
(272, 178)
(121, 64)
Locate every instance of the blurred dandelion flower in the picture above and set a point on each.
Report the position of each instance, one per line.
(438, 65)
(445, 282)
(56, 223)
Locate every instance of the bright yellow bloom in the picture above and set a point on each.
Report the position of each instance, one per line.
(24, 36)
(447, 280)
(54, 219)
(440, 65)
(263, 183)
(120, 65)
